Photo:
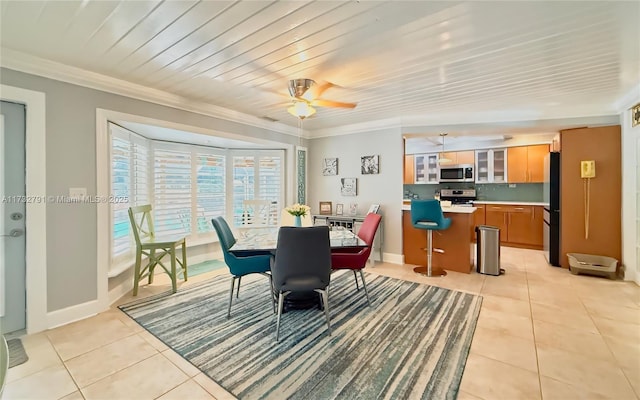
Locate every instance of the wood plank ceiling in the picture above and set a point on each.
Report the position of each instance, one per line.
(396, 59)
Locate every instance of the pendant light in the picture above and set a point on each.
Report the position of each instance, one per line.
(441, 158)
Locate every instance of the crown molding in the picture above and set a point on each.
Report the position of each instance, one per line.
(628, 100)
(26, 63)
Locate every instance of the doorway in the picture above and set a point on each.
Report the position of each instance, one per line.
(12, 218)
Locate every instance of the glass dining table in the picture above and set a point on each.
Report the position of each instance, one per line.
(265, 240)
(254, 241)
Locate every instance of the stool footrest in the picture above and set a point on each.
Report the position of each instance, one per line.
(435, 272)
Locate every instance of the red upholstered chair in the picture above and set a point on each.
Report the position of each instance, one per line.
(356, 261)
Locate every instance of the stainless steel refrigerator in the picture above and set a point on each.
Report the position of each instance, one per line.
(551, 213)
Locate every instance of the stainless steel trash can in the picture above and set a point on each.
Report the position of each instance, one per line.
(488, 250)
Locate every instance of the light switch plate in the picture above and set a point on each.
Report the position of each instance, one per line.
(77, 193)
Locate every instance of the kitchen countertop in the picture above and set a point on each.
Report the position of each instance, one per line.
(454, 209)
(512, 203)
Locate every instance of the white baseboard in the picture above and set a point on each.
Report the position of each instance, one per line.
(393, 258)
(72, 314)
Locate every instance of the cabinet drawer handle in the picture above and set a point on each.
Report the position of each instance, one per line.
(519, 208)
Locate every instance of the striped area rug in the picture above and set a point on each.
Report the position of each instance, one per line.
(412, 342)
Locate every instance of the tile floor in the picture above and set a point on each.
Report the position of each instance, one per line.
(542, 333)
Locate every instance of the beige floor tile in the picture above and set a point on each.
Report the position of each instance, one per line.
(73, 396)
(494, 380)
(571, 339)
(506, 305)
(41, 355)
(213, 388)
(153, 341)
(509, 349)
(498, 288)
(148, 379)
(555, 295)
(181, 363)
(507, 324)
(49, 383)
(572, 318)
(81, 337)
(627, 355)
(612, 311)
(189, 390)
(617, 329)
(466, 396)
(104, 361)
(128, 321)
(575, 369)
(556, 390)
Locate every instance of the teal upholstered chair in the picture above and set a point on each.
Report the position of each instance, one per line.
(427, 215)
(155, 248)
(240, 266)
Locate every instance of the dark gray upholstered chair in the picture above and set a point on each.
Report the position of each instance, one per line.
(302, 264)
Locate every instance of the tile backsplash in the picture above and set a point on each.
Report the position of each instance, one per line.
(488, 192)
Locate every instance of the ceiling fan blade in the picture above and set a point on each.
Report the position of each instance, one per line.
(316, 90)
(331, 103)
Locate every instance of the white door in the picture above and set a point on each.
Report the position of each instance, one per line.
(12, 217)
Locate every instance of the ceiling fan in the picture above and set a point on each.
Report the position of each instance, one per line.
(306, 94)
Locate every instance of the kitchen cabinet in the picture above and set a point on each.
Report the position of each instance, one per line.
(409, 172)
(478, 219)
(526, 163)
(491, 166)
(426, 168)
(456, 252)
(460, 157)
(520, 225)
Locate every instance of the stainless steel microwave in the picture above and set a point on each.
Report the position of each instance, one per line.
(456, 173)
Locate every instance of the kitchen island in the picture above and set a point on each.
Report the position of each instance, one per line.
(455, 242)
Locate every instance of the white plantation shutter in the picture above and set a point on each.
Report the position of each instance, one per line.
(129, 180)
(211, 193)
(270, 183)
(120, 187)
(258, 175)
(172, 192)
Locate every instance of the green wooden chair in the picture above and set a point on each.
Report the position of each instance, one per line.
(155, 248)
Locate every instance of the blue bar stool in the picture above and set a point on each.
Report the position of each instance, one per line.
(427, 214)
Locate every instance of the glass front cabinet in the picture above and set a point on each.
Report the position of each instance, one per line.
(426, 168)
(491, 166)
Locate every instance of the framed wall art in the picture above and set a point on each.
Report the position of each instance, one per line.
(339, 209)
(353, 208)
(349, 186)
(370, 165)
(325, 208)
(301, 175)
(330, 166)
(635, 115)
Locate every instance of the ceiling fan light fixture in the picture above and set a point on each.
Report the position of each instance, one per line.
(301, 110)
(298, 87)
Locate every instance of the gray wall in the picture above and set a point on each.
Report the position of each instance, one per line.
(71, 162)
(384, 188)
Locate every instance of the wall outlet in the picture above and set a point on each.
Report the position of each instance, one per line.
(512, 185)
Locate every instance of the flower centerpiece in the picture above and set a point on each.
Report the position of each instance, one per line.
(298, 211)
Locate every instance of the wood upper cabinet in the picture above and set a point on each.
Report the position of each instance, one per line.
(526, 163)
(409, 171)
(519, 225)
(460, 157)
(466, 157)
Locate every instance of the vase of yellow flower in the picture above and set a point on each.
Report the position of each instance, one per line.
(298, 211)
